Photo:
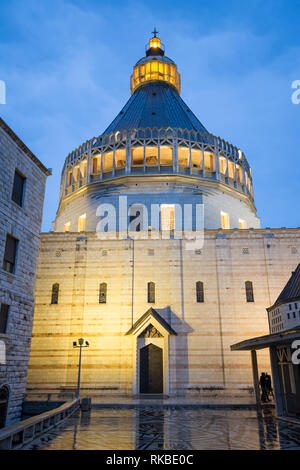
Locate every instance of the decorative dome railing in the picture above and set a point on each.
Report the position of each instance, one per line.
(153, 151)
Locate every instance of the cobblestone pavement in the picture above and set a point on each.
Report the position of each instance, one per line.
(154, 428)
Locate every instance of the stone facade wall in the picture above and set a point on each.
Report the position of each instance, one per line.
(215, 196)
(199, 357)
(17, 290)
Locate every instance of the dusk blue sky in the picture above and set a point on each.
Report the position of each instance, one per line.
(67, 65)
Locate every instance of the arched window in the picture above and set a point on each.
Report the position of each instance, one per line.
(151, 292)
(4, 396)
(54, 295)
(249, 291)
(102, 293)
(200, 292)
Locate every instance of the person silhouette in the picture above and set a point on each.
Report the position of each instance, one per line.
(262, 383)
(268, 382)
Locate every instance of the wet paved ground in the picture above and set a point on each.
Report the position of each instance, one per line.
(154, 428)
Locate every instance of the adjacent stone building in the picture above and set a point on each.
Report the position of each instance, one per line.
(283, 344)
(22, 187)
(156, 257)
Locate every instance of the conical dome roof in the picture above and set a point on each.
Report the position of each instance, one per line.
(155, 104)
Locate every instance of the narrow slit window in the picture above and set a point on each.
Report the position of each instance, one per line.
(18, 189)
(249, 291)
(103, 293)
(151, 292)
(55, 294)
(3, 318)
(10, 254)
(200, 292)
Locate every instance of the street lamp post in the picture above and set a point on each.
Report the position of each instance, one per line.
(80, 345)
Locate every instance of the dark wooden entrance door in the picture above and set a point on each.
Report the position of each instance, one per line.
(151, 369)
(4, 395)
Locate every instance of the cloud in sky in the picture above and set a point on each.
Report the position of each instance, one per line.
(67, 64)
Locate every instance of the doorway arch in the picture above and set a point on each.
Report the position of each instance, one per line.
(4, 397)
(151, 369)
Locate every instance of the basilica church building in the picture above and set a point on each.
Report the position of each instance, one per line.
(156, 256)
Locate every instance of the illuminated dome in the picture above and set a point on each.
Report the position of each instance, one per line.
(156, 149)
(155, 67)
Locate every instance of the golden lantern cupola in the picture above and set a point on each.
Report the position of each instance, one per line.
(155, 67)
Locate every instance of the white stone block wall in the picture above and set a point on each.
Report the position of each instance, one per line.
(199, 358)
(17, 290)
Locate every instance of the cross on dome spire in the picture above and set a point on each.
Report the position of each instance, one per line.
(155, 33)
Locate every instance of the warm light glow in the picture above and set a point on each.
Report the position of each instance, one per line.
(242, 224)
(151, 156)
(96, 164)
(209, 161)
(225, 221)
(83, 167)
(70, 177)
(239, 174)
(155, 42)
(166, 155)
(223, 165)
(76, 174)
(108, 159)
(81, 223)
(231, 169)
(196, 158)
(154, 69)
(137, 156)
(120, 158)
(67, 227)
(183, 157)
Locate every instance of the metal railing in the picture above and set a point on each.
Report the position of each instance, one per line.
(20, 434)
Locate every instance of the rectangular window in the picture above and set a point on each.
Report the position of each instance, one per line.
(67, 227)
(3, 318)
(102, 293)
(225, 221)
(167, 217)
(200, 292)
(96, 164)
(223, 165)
(151, 292)
(242, 224)
(81, 223)
(249, 291)
(10, 254)
(18, 188)
(55, 294)
(231, 168)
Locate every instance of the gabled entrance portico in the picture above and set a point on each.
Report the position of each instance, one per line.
(150, 336)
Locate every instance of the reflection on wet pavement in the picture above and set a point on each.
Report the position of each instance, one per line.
(154, 428)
